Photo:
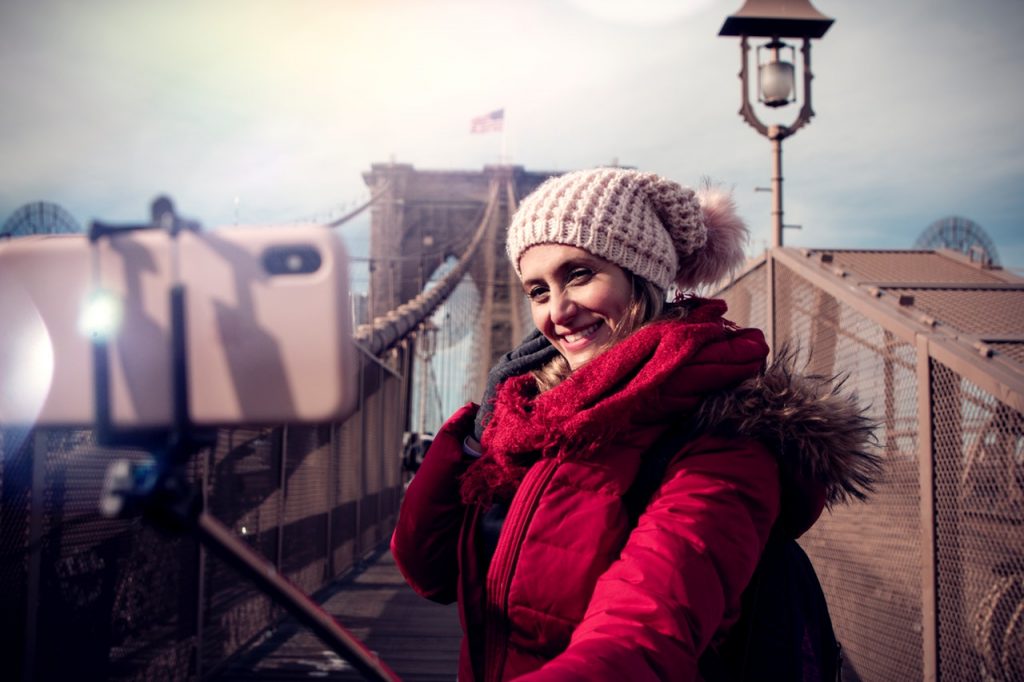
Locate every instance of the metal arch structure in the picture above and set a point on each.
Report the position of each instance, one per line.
(40, 217)
(960, 234)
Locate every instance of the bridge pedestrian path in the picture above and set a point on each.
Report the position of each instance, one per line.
(417, 638)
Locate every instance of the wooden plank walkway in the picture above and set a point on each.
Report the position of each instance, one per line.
(417, 638)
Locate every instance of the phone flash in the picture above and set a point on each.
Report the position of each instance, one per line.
(102, 315)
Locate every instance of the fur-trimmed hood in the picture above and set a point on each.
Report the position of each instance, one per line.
(701, 369)
(817, 431)
(821, 436)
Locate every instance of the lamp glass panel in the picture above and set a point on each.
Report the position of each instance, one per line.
(778, 80)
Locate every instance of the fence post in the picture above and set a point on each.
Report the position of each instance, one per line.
(383, 441)
(364, 425)
(358, 457)
(332, 498)
(38, 452)
(769, 330)
(926, 477)
(283, 483)
(205, 465)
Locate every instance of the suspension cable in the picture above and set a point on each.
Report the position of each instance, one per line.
(359, 209)
(388, 329)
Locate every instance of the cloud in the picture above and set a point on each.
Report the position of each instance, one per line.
(285, 105)
(647, 13)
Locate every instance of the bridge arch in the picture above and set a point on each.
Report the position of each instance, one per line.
(424, 217)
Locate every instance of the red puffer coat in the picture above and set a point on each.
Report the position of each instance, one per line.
(574, 591)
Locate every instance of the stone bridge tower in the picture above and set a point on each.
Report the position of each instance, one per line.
(425, 216)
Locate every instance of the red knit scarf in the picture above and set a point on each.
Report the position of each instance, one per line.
(638, 379)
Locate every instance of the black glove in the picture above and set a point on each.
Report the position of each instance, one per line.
(533, 352)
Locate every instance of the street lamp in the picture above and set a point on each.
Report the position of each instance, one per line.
(776, 77)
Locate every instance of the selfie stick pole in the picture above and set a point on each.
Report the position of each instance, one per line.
(162, 493)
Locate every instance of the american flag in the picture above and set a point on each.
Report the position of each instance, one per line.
(488, 123)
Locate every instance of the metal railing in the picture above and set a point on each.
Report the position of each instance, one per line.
(926, 579)
(114, 599)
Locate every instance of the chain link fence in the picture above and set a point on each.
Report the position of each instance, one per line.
(926, 579)
(86, 597)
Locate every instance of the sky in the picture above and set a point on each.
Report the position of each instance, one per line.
(264, 112)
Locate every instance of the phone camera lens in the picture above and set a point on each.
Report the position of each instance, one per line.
(291, 260)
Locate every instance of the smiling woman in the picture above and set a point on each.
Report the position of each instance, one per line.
(577, 300)
(525, 509)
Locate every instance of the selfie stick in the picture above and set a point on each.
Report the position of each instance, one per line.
(162, 493)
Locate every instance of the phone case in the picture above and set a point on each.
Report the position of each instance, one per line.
(268, 339)
(45, 361)
(267, 320)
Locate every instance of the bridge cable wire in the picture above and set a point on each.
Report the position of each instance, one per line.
(388, 329)
(359, 209)
(439, 250)
(519, 314)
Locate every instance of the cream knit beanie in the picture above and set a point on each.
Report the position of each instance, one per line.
(651, 226)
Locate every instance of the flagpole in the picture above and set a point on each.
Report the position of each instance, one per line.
(503, 159)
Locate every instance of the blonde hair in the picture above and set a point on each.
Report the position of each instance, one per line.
(646, 304)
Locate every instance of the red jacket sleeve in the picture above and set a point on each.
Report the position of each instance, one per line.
(682, 571)
(425, 542)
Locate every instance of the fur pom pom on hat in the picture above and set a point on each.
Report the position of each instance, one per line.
(642, 222)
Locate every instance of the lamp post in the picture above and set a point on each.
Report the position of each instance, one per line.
(776, 77)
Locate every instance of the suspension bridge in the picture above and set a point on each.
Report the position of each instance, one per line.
(924, 581)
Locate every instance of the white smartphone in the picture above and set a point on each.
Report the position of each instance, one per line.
(267, 319)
